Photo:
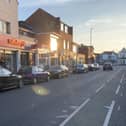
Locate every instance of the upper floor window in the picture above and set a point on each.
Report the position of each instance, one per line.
(62, 27)
(9, 1)
(66, 29)
(74, 48)
(64, 44)
(68, 45)
(4, 27)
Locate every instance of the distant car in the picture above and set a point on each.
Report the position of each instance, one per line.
(107, 66)
(34, 74)
(80, 68)
(9, 80)
(58, 71)
(96, 66)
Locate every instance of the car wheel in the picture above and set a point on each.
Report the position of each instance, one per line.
(48, 78)
(20, 84)
(59, 76)
(35, 80)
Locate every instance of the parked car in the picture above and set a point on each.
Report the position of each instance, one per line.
(96, 66)
(91, 67)
(9, 80)
(58, 71)
(107, 66)
(34, 74)
(80, 68)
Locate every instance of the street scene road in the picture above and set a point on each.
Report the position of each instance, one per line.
(91, 99)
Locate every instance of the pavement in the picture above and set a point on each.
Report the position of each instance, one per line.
(90, 99)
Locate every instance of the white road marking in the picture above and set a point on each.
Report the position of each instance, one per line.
(121, 80)
(117, 90)
(73, 107)
(118, 108)
(99, 88)
(108, 116)
(108, 107)
(121, 94)
(74, 113)
(65, 111)
(62, 116)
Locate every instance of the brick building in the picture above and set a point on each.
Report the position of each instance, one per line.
(88, 51)
(46, 25)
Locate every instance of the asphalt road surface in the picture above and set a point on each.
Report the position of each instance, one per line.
(93, 99)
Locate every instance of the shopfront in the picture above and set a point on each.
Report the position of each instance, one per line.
(10, 52)
(42, 57)
(54, 58)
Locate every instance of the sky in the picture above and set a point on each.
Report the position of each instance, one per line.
(106, 18)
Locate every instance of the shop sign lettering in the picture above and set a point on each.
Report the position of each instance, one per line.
(16, 43)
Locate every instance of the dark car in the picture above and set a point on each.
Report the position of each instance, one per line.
(80, 68)
(91, 67)
(58, 71)
(107, 66)
(9, 80)
(33, 74)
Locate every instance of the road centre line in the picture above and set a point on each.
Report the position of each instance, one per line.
(100, 88)
(121, 80)
(118, 108)
(62, 116)
(108, 116)
(117, 90)
(74, 113)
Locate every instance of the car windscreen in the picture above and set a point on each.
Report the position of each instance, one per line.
(25, 70)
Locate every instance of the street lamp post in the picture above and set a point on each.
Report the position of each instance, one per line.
(91, 29)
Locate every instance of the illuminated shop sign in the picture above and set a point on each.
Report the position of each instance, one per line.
(10, 42)
(16, 43)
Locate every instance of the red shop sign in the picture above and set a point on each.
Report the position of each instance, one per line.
(16, 42)
(8, 41)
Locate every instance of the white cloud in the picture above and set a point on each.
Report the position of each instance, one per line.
(108, 32)
(33, 3)
(94, 22)
(122, 24)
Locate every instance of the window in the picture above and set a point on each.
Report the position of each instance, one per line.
(66, 29)
(74, 48)
(64, 44)
(8, 27)
(53, 44)
(62, 27)
(4, 27)
(68, 45)
(9, 1)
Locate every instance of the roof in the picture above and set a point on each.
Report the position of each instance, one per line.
(41, 11)
(25, 25)
(109, 52)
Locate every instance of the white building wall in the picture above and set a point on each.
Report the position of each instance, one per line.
(9, 13)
